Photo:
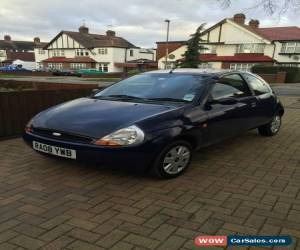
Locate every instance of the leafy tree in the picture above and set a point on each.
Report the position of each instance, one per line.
(191, 58)
(272, 7)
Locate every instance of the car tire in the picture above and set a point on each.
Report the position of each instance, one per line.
(179, 153)
(272, 128)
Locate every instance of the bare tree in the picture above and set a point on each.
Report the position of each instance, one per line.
(272, 7)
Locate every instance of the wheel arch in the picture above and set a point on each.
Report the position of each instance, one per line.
(188, 138)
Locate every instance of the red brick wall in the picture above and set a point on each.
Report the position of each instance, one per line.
(274, 78)
(161, 48)
(225, 65)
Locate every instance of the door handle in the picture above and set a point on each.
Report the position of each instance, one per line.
(253, 104)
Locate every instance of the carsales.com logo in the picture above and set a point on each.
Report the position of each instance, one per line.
(211, 241)
(237, 240)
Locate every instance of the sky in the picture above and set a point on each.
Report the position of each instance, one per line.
(139, 21)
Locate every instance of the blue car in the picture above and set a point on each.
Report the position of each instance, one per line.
(13, 68)
(155, 121)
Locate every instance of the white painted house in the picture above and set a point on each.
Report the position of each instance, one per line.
(108, 53)
(231, 43)
(13, 50)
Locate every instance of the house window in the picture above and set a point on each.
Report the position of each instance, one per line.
(102, 51)
(291, 47)
(80, 52)
(55, 65)
(103, 67)
(210, 49)
(131, 52)
(77, 65)
(250, 48)
(241, 66)
(2, 54)
(289, 64)
(205, 66)
(41, 52)
(56, 53)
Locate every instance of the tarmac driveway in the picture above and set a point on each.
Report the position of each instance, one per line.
(247, 185)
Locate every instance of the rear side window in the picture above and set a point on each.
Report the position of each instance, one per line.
(230, 86)
(259, 87)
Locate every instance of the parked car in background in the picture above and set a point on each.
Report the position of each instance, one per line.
(65, 72)
(42, 70)
(90, 72)
(156, 120)
(13, 68)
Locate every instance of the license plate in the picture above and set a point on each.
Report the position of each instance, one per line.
(53, 150)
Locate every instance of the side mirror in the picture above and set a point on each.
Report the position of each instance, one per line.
(95, 91)
(224, 101)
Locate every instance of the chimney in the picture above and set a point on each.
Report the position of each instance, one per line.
(239, 18)
(83, 29)
(110, 33)
(7, 38)
(254, 24)
(36, 40)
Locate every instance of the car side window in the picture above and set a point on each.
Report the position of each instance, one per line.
(230, 86)
(258, 86)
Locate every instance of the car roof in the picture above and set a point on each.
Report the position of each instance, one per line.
(194, 71)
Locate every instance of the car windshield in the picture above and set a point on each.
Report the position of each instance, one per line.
(155, 87)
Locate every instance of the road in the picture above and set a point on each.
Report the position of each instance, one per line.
(292, 89)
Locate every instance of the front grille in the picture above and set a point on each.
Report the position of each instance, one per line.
(63, 137)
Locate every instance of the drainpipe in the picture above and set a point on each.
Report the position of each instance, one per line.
(125, 59)
(274, 50)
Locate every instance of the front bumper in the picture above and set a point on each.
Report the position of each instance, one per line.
(139, 157)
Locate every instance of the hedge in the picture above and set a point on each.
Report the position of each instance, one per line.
(292, 73)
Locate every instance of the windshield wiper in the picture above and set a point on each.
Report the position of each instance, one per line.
(167, 99)
(129, 97)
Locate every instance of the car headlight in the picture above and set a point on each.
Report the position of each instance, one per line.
(123, 137)
(28, 127)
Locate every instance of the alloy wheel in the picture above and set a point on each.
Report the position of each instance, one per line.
(176, 159)
(275, 124)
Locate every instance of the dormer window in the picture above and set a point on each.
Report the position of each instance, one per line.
(250, 48)
(290, 47)
(209, 49)
(80, 52)
(102, 51)
(58, 53)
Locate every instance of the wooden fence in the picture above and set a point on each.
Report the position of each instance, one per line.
(16, 108)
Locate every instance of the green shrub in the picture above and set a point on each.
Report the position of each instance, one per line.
(292, 73)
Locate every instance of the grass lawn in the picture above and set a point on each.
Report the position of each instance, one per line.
(10, 76)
